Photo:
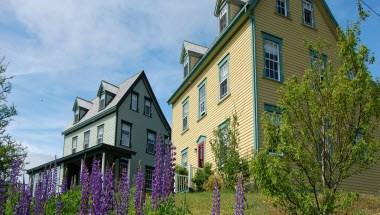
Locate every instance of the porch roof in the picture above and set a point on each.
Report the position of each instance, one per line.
(119, 151)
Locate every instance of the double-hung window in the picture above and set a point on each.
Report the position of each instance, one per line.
(151, 141)
(126, 130)
(135, 101)
(223, 79)
(202, 99)
(102, 100)
(308, 13)
(148, 177)
(184, 157)
(224, 141)
(282, 7)
(86, 139)
(223, 17)
(148, 107)
(185, 115)
(76, 115)
(272, 52)
(100, 134)
(74, 144)
(186, 66)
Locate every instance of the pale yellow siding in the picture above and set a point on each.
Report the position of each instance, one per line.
(239, 49)
(295, 56)
(108, 138)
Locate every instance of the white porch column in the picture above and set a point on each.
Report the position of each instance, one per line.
(103, 162)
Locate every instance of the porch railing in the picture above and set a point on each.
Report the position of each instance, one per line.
(183, 183)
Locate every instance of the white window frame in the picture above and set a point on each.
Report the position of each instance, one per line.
(279, 8)
(102, 100)
(76, 114)
(308, 5)
(129, 135)
(100, 135)
(84, 139)
(186, 70)
(224, 67)
(151, 179)
(202, 99)
(185, 157)
(74, 144)
(273, 50)
(224, 12)
(185, 115)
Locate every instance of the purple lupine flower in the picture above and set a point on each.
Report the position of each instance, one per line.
(158, 172)
(2, 195)
(96, 188)
(53, 184)
(122, 200)
(85, 191)
(23, 205)
(107, 192)
(16, 166)
(63, 186)
(215, 200)
(169, 168)
(239, 204)
(38, 197)
(140, 193)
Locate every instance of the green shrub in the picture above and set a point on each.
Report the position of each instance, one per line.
(181, 170)
(202, 175)
(170, 208)
(209, 184)
(70, 202)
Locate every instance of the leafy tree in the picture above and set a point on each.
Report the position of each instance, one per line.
(325, 133)
(225, 146)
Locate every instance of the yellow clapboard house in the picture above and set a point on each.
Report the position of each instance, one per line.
(260, 44)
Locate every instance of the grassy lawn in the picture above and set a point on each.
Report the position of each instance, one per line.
(201, 203)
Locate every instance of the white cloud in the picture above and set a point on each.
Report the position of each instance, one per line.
(61, 49)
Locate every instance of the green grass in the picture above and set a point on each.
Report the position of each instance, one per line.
(201, 203)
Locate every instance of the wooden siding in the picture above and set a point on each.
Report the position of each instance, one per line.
(108, 136)
(239, 49)
(296, 58)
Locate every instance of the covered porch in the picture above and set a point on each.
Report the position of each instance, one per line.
(70, 166)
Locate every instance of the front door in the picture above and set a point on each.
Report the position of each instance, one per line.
(201, 154)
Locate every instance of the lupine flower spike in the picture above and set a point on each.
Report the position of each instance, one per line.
(215, 200)
(122, 200)
(139, 194)
(85, 190)
(96, 188)
(107, 192)
(239, 204)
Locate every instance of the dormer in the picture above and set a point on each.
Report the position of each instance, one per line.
(106, 93)
(190, 55)
(80, 108)
(226, 10)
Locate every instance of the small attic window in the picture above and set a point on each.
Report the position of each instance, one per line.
(102, 100)
(76, 115)
(186, 66)
(223, 17)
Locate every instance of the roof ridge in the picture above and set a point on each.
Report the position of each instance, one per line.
(109, 83)
(195, 44)
(78, 97)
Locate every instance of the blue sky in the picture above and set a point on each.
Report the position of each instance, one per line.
(58, 50)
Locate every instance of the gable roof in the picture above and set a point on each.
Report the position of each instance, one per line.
(221, 39)
(82, 103)
(120, 91)
(220, 3)
(104, 85)
(192, 47)
(93, 111)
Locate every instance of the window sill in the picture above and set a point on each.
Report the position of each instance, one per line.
(125, 147)
(309, 26)
(184, 131)
(286, 17)
(149, 116)
(201, 117)
(224, 98)
(134, 110)
(274, 80)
